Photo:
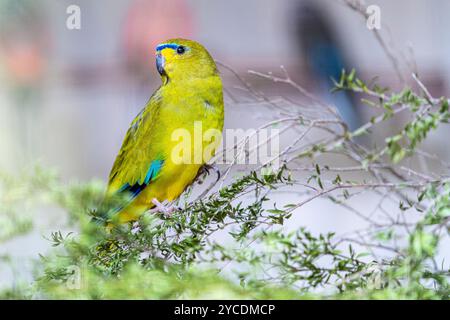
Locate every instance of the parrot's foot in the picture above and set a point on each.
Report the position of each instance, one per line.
(204, 171)
(166, 209)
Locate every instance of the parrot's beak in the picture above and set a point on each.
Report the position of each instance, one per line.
(160, 63)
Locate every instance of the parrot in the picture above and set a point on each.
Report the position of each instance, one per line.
(146, 168)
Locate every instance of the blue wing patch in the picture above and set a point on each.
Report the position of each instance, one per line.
(137, 188)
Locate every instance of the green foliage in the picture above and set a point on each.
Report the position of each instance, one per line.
(182, 256)
(427, 113)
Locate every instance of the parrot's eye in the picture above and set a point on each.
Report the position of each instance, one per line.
(181, 49)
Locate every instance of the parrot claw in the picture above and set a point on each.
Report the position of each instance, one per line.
(216, 170)
(205, 171)
(166, 209)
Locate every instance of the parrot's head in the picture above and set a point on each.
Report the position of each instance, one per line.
(178, 59)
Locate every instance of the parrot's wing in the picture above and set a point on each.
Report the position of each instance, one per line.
(138, 162)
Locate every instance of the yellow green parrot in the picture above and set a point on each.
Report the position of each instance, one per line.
(190, 95)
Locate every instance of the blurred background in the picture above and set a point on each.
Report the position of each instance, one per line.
(68, 96)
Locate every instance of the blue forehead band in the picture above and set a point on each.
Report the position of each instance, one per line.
(163, 46)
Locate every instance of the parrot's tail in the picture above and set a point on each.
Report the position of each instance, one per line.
(102, 218)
